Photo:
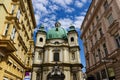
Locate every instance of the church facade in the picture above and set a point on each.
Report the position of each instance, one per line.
(57, 54)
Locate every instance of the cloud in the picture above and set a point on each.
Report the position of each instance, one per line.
(46, 12)
(68, 1)
(78, 21)
(84, 1)
(83, 13)
(69, 10)
(37, 17)
(79, 4)
(66, 22)
(44, 2)
(62, 3)
(53, 8)
(40, 7)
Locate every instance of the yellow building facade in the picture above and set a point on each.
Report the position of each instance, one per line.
(17, 23)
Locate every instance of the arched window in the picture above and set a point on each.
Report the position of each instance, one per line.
(56, 56)
(72, 39)
(41, 39)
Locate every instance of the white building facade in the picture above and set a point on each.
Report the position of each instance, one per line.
(57, 55)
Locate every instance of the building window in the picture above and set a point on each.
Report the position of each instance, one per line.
(72, 39)
(38, 76)
(86, 48)
(101, 32)
(97, 76)
(91, 43)
(110, 19)
(94, 56)
(56, 56)
(41, 39)
(99, 54)
(5, 78)
(6, 29)
(13, 8)
(89, 30)
(97, 18)
(14, 66)
(13, 33)
(93, 25)
(39, 56)
(96, 37)
(88, 63)
(103, 73)
(105, 5)
(117, 39)
(9, 62)
(105, 49)
(74, 76)
(18, 14)
(56, 42)
(73, 56)
(28, 61)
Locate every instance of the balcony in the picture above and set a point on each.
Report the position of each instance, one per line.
(113, 27)
(11, 17)
(7, 45)
(14, 0)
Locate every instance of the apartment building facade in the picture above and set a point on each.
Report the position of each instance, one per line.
(101, 38)
(17, 23)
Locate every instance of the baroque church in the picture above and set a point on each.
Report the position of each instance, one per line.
(57, 54)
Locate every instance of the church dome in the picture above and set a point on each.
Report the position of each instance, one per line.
(57, 32)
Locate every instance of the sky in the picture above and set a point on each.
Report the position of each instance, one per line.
(67, 12)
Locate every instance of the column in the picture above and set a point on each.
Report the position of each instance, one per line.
(67, 73)
(66, 56)
(46, 56)
(78, 56)
(36, 57)
(50, 55)
(1, 73)
(34, 75)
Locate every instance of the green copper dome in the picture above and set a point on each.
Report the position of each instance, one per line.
(57, 32)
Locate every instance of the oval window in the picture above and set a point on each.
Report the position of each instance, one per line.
(41, 40)
(72, 39)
